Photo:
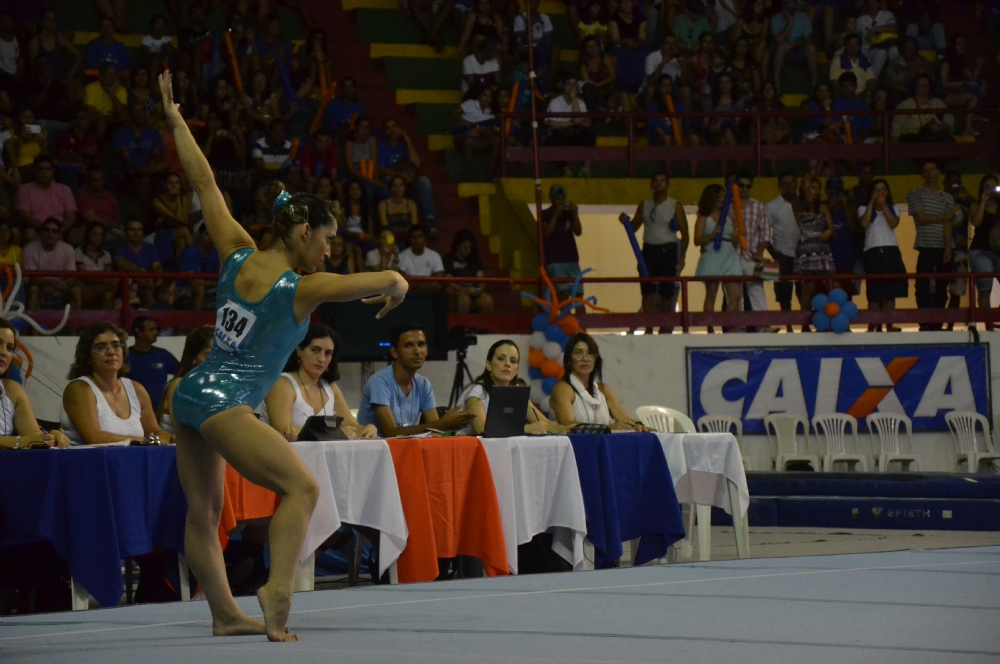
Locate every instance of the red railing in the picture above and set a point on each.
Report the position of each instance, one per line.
(685, 318)
(885, 150)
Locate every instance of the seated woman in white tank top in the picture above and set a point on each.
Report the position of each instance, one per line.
(197, 346)
(19, 429)
(580, 397)
(309, 388)
(502, 362)
(99, 406)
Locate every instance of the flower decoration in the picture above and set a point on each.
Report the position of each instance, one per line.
(833, 312)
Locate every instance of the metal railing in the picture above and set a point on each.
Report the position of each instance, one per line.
(684, 318)
(885, 149)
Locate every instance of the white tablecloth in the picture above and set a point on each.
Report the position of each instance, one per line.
(538, 487)
(700, 464)
(357, 485)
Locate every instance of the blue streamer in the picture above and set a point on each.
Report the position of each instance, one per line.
(576, 282)
(722, 216)
(285, 80)
(640, 259)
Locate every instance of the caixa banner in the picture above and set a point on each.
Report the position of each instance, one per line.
(923, 382)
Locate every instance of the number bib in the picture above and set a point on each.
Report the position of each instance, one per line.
(232, 325)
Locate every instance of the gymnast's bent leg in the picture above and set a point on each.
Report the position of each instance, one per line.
(263, 456)
(203, 474)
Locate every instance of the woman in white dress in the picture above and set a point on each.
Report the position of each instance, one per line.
(99, 405)
(580, 397)
(197, 346)
(19, 429)
(308, 387)
(502, 362)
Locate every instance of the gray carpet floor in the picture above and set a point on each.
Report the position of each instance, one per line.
(908, 606)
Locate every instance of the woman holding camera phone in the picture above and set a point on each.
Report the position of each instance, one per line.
(881, 254)
(983, 215)
(18, 427)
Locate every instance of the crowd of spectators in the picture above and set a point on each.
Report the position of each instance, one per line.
(693, 56)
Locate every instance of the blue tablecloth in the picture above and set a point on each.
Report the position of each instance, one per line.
(627, 494)
(96, 506)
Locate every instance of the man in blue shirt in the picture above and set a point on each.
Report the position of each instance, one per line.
(140, 153)
(848, 101)
(134, 255)
(201, 258)
(792, 32)
(149, 365)
(344, 109)
(106, 48)
(395, 398)
(397, 156)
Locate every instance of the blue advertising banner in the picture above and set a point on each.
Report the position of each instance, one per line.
(921, 381)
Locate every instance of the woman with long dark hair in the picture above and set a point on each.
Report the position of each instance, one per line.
(813, 255)
(502, 362)
(983, 215)
(581, 397)
(881, 255)
(721, 262)
(263, 314)
(310, 388)
(197, 346)
(18, 427)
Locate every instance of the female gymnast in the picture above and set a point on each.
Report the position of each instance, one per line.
(263, 313)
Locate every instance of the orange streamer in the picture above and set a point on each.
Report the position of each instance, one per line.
(848, 132)
(294, 151)
(237, 78)
(511, 105)
(738, 213)
(675, 123)
(318, 118)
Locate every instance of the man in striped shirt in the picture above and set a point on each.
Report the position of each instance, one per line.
(272, 152)
(759, 235)
(932, 210)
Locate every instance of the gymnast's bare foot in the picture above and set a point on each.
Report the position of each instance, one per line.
(238, 625)
(276, 608)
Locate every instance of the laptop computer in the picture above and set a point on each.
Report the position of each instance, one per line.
(507, 412)
(322, 427)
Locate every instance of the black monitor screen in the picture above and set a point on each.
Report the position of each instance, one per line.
(365, 339)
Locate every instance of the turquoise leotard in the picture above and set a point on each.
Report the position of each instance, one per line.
(252, 342)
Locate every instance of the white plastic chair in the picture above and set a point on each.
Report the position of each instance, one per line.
(886, 427)
(834, 427)
(786, 426)
(665, 420)
(725, 424)
(963, 433)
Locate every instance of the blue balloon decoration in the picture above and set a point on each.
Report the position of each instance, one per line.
(821, 321)
(819, 302)
(849, 309)
(554, 333)
(539, 322)
(548, 384)
(840, 323)
(534, 373)
(838, 295)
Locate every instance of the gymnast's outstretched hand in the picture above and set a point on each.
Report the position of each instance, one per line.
(171, 109)
(392, 297)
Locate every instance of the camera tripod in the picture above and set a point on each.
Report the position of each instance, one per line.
(461, 373)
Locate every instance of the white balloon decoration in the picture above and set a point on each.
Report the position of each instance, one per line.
(552, 350)
(537, 394)
(538, 340)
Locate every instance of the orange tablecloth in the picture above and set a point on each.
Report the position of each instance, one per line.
(243, 500)
(450, 503)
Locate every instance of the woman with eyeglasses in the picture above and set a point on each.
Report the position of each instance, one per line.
(580, 397)
(99, 405)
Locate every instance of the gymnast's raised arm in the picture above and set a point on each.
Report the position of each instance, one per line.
(226, 233)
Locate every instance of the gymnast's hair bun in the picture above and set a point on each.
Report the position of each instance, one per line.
(289, 210)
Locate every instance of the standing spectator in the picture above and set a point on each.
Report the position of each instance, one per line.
(271, 152)
(854, 61)
(10, 51)
(664, 245)
(848, 103)
(813, 256)
(477, 130)
(398, 156)
(92, 257)
(463, 261)
(140, 154)
(933, 210)
(481, 67)
(79, 148)
(929, 128)
(561, 226)
(862, 192)
(983, 216)
(44, 199)
(319, 160)
(419, 261)
(546, 53)
(792, 32)
(843, 244)
(386, 255)
(882, 255)
(397, 212)
(721, 262)
(785, 237)
(150, 365)
(199, 258)
(570, 131)
(344, 109)
(97, 205)
(134, 255)
(105, 48)
(878, 34)
(959, 238)
(430, 16)
(50, 253)
(927, 33)
(757, 224)
(105, 99)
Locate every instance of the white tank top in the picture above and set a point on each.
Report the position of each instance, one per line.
(129, 429)
(301, 410)
(6, 413)
(587, 408)
(656, 220)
